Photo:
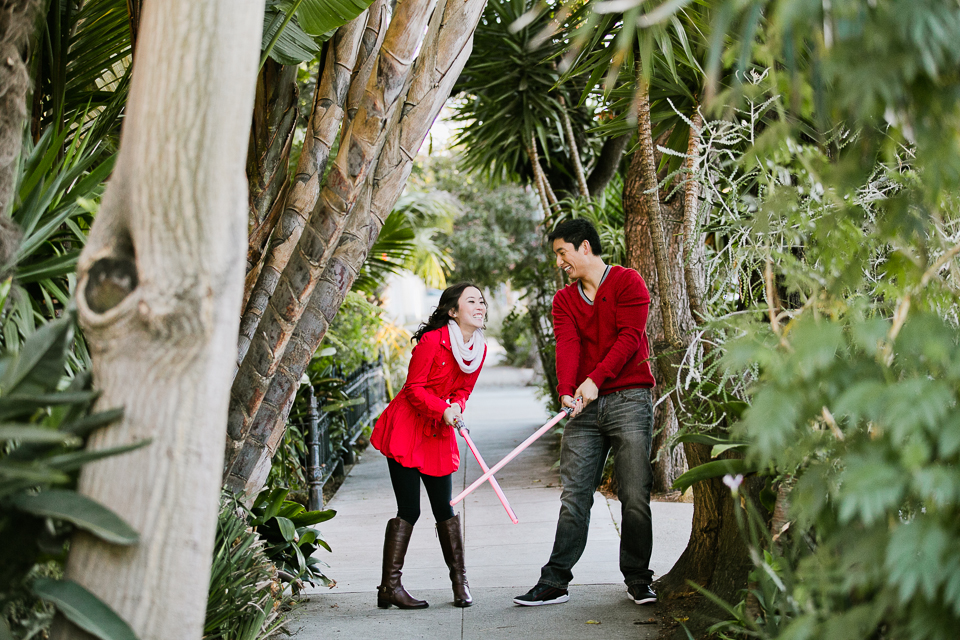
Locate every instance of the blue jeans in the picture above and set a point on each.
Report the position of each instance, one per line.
(621, 423)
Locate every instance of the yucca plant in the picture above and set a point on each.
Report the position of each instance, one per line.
(246, 600)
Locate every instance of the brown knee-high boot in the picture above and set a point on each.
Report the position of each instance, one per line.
(451, 542)
(395, 543)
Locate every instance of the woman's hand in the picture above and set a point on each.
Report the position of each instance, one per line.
(451, 413)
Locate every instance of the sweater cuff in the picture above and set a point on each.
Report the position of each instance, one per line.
(566, 390)
(597, 377)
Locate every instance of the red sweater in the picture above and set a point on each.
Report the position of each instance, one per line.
(605, 341)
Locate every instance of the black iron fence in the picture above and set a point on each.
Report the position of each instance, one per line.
(326, 456)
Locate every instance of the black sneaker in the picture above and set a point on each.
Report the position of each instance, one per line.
(542, 594)
(641, 594)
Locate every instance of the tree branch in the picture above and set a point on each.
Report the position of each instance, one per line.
(607, 164)
(573, 150)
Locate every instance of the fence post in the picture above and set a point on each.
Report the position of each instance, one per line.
(315, 496)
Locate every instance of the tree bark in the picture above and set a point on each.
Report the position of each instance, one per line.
(159, 289)
(716, 556)
(445, 51)
(18, 20)
(271, 137)
(651, 199)
(298, 203)
(692, 237)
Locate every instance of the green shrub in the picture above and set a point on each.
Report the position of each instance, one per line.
(291, 541)
(43, 428)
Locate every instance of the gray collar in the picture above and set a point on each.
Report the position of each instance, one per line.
(580, 287)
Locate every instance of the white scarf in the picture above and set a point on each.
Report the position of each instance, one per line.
(470, 355)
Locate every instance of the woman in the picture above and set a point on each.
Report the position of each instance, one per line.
(416, 434)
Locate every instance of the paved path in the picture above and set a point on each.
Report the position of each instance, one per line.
(503, 559)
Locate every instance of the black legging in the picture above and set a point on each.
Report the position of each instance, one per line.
(406, 486)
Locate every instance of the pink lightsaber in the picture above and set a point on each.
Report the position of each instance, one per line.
(513, 454)
(462, 428)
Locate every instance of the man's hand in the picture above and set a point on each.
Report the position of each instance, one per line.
(588, 391)
(573, 403)
(450, 414)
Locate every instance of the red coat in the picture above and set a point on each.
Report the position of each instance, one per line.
(411, 430)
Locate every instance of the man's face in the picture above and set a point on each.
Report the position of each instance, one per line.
(570, 259)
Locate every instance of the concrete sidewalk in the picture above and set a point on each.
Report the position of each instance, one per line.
(503, 559)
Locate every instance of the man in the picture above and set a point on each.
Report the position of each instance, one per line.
(600, 327)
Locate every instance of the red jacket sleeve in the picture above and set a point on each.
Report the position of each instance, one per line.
(633, 304)
(568, 346)
(418, 373)
(460, 395)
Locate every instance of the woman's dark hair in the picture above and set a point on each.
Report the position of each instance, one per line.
(575, 231)
(449, 299)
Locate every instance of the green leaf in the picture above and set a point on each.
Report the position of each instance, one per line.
(318, 17)
(720, 448)
(80, 510)
(31, 433)
(73, 461)
(287, 528)
(708, 440)
(709, 470)
(87, 424)
(40, 360)
(292, 45)
(275, 502)
(307, 536)
(870, 489)
(308, 518)
(83, 609)
(31, 472)
(24, 404)
(337, 406)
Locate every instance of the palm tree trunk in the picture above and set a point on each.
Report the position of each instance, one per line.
(271, 137)
(359, 147)
(573, 150)
(158, 295)
(651, 198)
(325, 119)
(692, 241)
(445, 50)
(18, 21)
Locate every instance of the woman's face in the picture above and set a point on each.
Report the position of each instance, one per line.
(471, 309)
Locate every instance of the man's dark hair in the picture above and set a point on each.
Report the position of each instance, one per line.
(575, 231)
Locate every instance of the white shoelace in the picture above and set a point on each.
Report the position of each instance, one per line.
(470, 355)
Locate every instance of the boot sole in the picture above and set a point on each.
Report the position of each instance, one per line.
(387, 605)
